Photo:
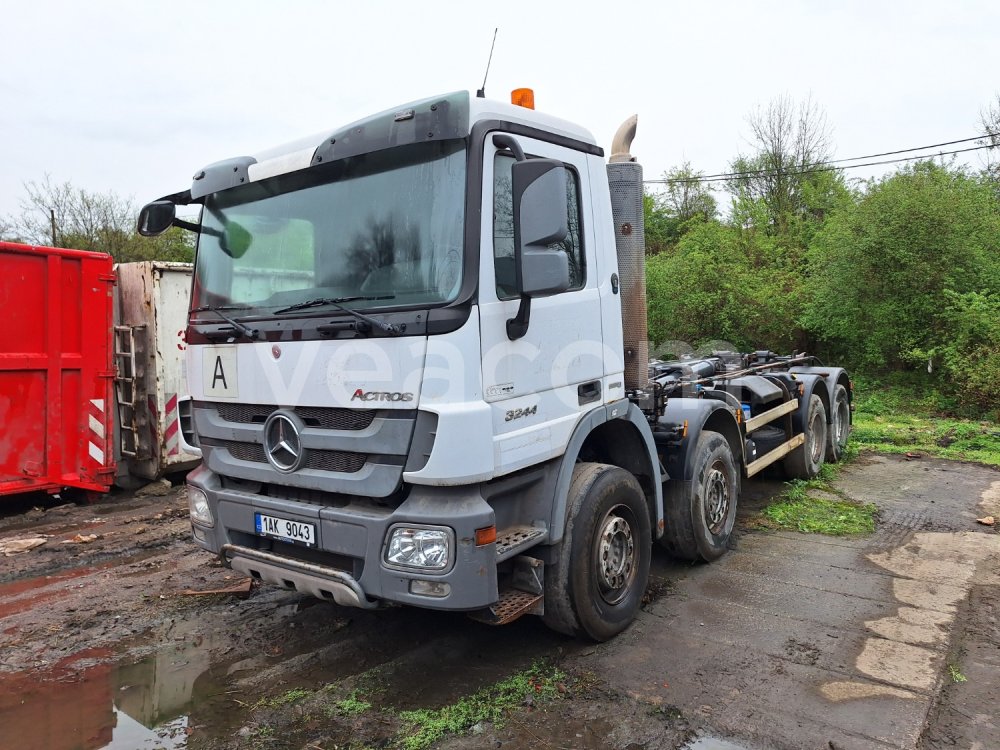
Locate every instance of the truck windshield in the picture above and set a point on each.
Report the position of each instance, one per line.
(380, 229)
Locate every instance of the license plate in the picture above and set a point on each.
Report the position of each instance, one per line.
(296, 532)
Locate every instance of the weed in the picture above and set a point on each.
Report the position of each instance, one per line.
(491, 704)
(352, 705)
(955, 673)
(292, 696)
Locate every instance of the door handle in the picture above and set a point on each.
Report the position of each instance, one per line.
(589, 392)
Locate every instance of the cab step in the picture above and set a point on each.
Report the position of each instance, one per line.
(513, 604)
(515, 539)
(524, 595)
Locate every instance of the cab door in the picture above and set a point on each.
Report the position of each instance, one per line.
(538, 385)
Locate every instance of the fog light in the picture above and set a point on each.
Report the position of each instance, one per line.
(198, 504)
(428, 549)
(438, 589)
(199, 535)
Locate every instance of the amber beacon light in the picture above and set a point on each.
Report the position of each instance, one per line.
(523, 98)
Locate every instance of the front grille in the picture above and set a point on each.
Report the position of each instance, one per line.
(253, 452)
(340, 461)
(336, 419)
(335, 461)
(326, 418)
(245, 413)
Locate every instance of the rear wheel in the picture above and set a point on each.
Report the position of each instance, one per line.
(840, 425)
(806, 460)
(596, 583)
(700, 514)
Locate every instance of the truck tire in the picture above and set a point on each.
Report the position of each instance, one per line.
(595, 585)
(840, 425)
(806, 460)
(700, 514)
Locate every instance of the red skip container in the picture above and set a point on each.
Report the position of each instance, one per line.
(56, 372)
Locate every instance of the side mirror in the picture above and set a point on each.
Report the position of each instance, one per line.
(541, 218)
(156, 218)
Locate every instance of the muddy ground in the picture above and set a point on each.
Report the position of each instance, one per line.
(789, 641)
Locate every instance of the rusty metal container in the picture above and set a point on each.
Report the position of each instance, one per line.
(151, 387)
(56, 371)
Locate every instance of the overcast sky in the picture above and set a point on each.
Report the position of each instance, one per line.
(135, 96)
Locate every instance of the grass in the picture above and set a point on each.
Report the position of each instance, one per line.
(899, 420)
(352, 705)
(955, 673)
(887, 419)
(797, 511)
(420, 729)
(292, 696)
(424, 727)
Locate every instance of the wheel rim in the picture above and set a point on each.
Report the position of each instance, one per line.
(716, 498)
(843, 422)
(816, 439)
(616, 554)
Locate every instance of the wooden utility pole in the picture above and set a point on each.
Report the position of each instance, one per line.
(52, 219)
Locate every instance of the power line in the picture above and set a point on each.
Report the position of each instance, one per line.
(823, 166)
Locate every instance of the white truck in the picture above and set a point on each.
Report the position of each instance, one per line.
(151, 393)
(418, 361)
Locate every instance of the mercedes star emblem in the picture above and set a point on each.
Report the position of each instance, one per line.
(282, 442)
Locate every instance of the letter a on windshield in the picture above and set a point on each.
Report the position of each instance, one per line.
(219, 370)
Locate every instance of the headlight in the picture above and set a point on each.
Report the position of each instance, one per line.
(427, 549)
(198, 503)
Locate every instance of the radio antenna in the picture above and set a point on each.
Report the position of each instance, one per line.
(482, 92)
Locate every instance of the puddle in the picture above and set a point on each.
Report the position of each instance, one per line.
(14, 588)
(712, 743)
(23, 585)
(28, 602)
(94, 700)
(85, 702)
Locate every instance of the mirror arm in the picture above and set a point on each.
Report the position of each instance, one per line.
(188, 225)
(518, 325)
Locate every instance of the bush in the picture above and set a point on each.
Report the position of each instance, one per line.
(723, 283)
(970, 351)
(880, 273)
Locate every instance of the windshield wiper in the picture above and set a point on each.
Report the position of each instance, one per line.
(390, 328)
(250, 333)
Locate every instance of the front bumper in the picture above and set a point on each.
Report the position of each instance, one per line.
(346, 565)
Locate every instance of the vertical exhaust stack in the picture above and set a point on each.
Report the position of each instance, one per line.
(625, 182)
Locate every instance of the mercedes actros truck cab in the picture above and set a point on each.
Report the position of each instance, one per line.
(420, 375)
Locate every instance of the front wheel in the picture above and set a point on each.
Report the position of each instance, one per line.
(700, 514)
(596, 583)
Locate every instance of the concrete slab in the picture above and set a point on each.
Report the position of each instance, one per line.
(801, 641)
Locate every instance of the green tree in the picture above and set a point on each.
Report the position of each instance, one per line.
(684, 202)
(687, 196)
(86, 220)
(659, 228)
